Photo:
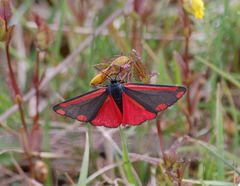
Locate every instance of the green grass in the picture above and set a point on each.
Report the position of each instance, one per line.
(128, 169)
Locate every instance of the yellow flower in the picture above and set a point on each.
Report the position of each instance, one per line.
(196, 7)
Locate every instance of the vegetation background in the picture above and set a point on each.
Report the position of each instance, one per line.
(49, 55)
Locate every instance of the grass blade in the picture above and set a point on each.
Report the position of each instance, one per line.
(217, 154)
(82, 181)
(127, 164)
(208, 182)
(219, 132)
(60, 31)
(225, 75)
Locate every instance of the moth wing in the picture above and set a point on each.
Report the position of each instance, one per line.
(84, 107)
(143, 101)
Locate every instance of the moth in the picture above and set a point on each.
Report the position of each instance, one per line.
(120, 103)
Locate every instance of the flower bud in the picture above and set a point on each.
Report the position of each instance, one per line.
(40, 170)
(43, 38)
(5, 9)
(44, 34)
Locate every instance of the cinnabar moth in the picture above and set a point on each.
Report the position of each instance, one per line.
(120, 103)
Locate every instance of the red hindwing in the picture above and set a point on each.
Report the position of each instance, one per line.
(133, 112)
(109, 114)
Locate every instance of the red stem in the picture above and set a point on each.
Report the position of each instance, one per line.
(136, 28)
(11, 74)
(18, 100)
(187, 73)
(36, 85)
(179, 177)
(160, 136)
(186, 59)
(15, 87)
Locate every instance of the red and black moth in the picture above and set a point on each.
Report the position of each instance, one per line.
(120, 103)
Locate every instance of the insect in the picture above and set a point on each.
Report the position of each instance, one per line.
(121, 66)
(120, 103)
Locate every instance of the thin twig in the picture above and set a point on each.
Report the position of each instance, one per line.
(70, 180)
(42, 155)
(187, 73)
(8, 129)
(105, 32)
(106, 134)
(36, 86)
(15, 86)
(11, 74)
(18, 99)
(133, 158)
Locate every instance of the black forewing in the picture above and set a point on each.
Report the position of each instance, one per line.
(84, 107)
(157, 99)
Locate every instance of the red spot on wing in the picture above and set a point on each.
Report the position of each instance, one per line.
(133, 112)
(60, 111)
(109, 114)
(179, 94)
(161, 107)
(82, 98)
(151, 87)
(81, 118)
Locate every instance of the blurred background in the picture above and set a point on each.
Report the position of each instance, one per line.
(48, 50)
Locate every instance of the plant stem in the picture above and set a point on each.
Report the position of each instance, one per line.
(36, 86)
(11, 74)
(160, 136)
(125, 156)
(15, 87)
(18, 100)
(186, 70)
(136, 28)
(186, 59)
